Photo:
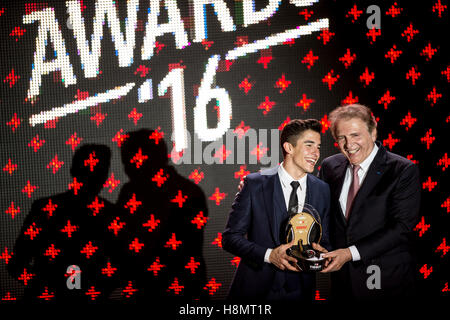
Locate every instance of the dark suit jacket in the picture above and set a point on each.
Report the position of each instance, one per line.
(254, 226)
(380, 224)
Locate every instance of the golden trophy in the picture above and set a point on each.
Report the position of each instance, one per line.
(305, 228)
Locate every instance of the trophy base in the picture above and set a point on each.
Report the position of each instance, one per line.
(315, 263)
(312, 264)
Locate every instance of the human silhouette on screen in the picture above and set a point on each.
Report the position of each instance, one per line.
(70, 229)
(161, 244)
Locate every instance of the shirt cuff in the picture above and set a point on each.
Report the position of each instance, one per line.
(355, 253)
(267, 255)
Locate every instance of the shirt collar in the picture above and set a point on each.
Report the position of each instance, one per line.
(286, 178)
(368, 161)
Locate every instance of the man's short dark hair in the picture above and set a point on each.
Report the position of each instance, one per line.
(349, 112)
(295, 128)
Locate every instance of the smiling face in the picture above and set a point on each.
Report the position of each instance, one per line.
(354, 139)
(301, 158)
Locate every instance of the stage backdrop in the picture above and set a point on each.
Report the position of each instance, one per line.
(203, 74)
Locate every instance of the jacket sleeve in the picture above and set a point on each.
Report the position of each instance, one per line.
(234, 238)
(402, 216)
(325, 241)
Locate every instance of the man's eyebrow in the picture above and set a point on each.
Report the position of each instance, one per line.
(309, 141)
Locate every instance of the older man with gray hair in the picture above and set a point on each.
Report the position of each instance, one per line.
(375, 200)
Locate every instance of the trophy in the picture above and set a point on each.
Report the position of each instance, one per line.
(305, 228)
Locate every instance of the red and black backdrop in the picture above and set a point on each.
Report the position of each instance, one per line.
(400, 70)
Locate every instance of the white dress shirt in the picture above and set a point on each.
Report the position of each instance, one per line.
(285, 180)
(362, 172)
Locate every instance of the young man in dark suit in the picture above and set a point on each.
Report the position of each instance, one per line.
(375, 200)
(255, 230)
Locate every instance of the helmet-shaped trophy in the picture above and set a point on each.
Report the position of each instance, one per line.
(304, 227)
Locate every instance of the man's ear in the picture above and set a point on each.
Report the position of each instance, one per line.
(287, 147)
(373, 134)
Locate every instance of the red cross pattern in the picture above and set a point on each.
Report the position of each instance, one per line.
(96, 206)
(12, 210)
(218, 240)
(135, 116)
(116, 225)
(443, 247)
(266, 105)
(32, 231)
(390, 141)
(46, 295)
(310, 59)
(156, 135)
(199, 220)
(348, 58)
(304, 102)
(36, 143)
(155, 267)
(197, 176)
(25, 277)
(444, 162)
(135, 245)
(6, 255)
(235, 261)
(192, 265)
(212, 286)
(422, 227)
(179, 199)
(89, 250)
(394, 11)
(282, 83)
(330, 79)
(386, 99)
(55, 164)
(108, 270)
(75, 186)
(354, 13)
(393, 54)
(152, 223)
(139, 158)
(429, 184)
(52, 252)
(92, 161)
(93, 293)
(426, 271)
(217, 196)
(133, 204)
(428, 139)
(10, 167)
(176, 287)
(120, 138)
(14, 123)
(159, 178)
(69, 229)
(74, 141)
(129, 290)
(246, 85)
(173, 243)
(408, 121)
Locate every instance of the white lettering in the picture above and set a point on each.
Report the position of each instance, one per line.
(153, 30)
(222, 12)
(48, 25)
(124, 49)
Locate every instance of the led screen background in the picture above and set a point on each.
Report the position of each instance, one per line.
(401, 71)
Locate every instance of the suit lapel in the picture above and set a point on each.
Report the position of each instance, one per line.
(374, 174)
(274, 204)
(309, 185)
